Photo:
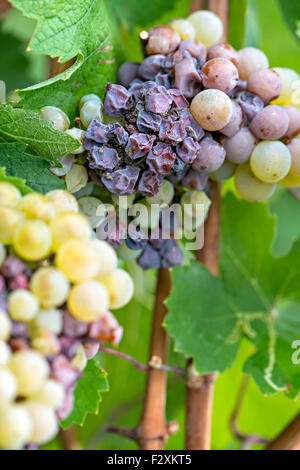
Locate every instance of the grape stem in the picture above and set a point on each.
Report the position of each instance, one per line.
(289, 438)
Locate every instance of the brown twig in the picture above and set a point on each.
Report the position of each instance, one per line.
(289, 438)
(68, 439)
(4, 7)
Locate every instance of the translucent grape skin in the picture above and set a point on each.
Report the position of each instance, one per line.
(265, 83)
(220, 74)
(208, 27)
(235, 122)
(224, 51)
(240, 146)
(225, 172)
(270, 161)
(271, 123)
(288, 79)
(249, 187)
(210, 155)
(250, 60)
(294, 121)
(212, 109)
(162, 40)
(294, 149)
(184, 28)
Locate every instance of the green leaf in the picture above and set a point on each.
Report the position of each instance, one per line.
(291, 13)
(256, 296)
(237, 22)
(87, 393)
(141, 13)
(39, 134)
(34, 169)
(17, 182)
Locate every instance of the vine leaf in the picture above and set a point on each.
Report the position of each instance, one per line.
(256, 296)
(87, 393)
(34, 169)
(291, 14)
(17, 182)
(38, 134)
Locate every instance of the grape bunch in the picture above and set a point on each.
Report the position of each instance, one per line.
(57, 286)
(193, 110)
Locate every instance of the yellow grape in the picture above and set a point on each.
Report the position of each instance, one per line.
(10, 219)
(106, 258)
(288, 80)
(77, 260)
(208, 27)
(22, 305)
(32, 240)
(79, 360)
(290, 181)
(15, 428)
(30, 370)
(44, 422)
(5, 326)
(50, 286)
(67, 226)
(212, 109)
(37, 206)
(251, 188)
(9, 194)
(5, 353)
(88, 301)
(45, 343)
(184, 28)
(47, 320)
(120, 288)
(8, 388)
(63, 201)
(50, 394)
(270, 161)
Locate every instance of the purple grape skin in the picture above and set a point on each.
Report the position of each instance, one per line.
(240, 146)
(20, 281)
(149, 258)
(72, 327)
(148, 122)
(116, 235)
(127, 72)
(63, 371)
(193, 129)
(12, 266)
(136, 244)
(171, 254)
(158, 100)
(172, 131)
(96, 133)
(163, 79)
(241, 86)
(294, 121)
(220, 74)
(178, 167)
(139, 145)
(271, 123)
(65, 409)
(90, 349)
(187, 79)
(2, 284)
(68, 346)
(179, 101)
(149, 183)
(210, 155)
(117, 135)
(251, 105)
(187, 150)
(135, 87)
(122, 181)
(196, 49)
(117, 100)
(236, 121)
(151, 66)
(103, 158)
(195, 180)
(161, 158)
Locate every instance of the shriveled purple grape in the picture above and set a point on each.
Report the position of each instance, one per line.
(236, 121)
(164, 79)
(271, 123)
(151, 66)
(187, 79)
(241, 86)
(266, 83)
(174, 58)
(240, 146)
(162, 40)
(73, 327)
(294, 121)
(171, 254)
(158, 100)
(223, 51)
(195, 180)
(122, 181)
(210, 155)
(251, 105)
(138, 244)
(220, 74)
(103, 158)
(117, 134)
(193, 129)
(116, 235)
(149, 259)
(68, 346)
(139, 145)
(178, 167)
(179, 101)
(127, 72)
(148, 122)
(135, 87)
(161, 158)
(96, 133)
(149, 183)
(187, 150)
(171, 130)
(117, 100)
(196, 49)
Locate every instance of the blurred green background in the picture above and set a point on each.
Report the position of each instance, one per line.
(265, 24)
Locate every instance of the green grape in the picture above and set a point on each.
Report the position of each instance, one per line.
(126, 254)
(290, 181)
(288, 80)
(45, 343)
(88, 206)
(124, 202)
(2, 253)
(90, 97)
(15, 428)
(270, 161)
(79, 360)
(90, 110)
(67, 162)
(146, 215)
(88, 301)
(9, 194)
(30, 370)
(60, 120)
(67, 226)
(5, 326)
(22, 305)
(63, 201)
(77, 260)
(208, 27)
(37, 206)
(50, 287)
(47, 320)
(184, 28)
(79, 135)
(294, 149)
(50, 394)
(32, 240)
(249, 187)
(106, 258)
(5, 353)
(212, 109)
(165, 194)
(195, 207)
(10, 219)
(44, 422)
(120, 288)
(225, 172)
(77, 178)
(251, 60)
(8, 388)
